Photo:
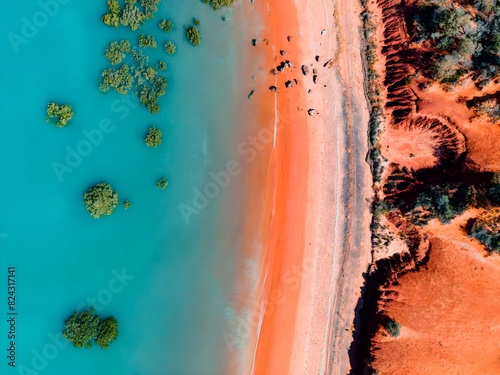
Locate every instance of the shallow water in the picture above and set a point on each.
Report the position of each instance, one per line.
(170, 303)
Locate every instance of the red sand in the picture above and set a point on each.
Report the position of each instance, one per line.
(303, 224)
(288, 165)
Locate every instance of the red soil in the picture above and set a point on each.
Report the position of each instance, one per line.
(448, 311)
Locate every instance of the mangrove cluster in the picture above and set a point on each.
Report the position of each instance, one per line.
(85, 328)
(100, 200)
(153, 137)
(59, 115)
(132, 14)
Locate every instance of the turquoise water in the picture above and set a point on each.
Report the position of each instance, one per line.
(174, 274)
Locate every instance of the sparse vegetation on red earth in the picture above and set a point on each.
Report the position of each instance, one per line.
(434, 86)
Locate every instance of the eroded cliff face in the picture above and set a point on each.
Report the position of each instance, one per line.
(425, 137)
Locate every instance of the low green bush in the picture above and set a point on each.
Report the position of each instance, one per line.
(100, 200)
(84, 328)
(61, 114)
(153, 137)
(193, 35)
(162, 183)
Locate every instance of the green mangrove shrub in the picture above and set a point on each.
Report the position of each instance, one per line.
(162, 183)
(217, 4)
(80, 328)
(84, 328)
(193, 35)
(144, 79)
(147, 41)
(153, 137)
(126, 204)
(100, 200)
(107, 332)
(61, 114)
(130, 15)
(116, 51)
(161, 66)
(166, 25)
(170, 48)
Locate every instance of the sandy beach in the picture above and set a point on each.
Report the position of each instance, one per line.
(316, 222)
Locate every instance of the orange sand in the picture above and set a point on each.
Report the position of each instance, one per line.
(314, 252)
(288, 171)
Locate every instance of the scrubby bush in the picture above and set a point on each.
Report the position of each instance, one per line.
(126, 204)
(84, 328)
(445, 201)
(147, 41)
(153, 137)
(447, 69)
(494, 190)
(489, 108)
(62, 114)
(100, 200)
(170, 48)
(470, 36)
(162, 183)
(486, 229)
(166, 25)
(116, 51)
(443, 25)
(193, 35)
(196, 21)
(393, 328)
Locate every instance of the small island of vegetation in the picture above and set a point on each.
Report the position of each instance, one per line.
(100, 200)
(166, 25)
(62, 114)
(217, 4)
(170, 48)
(162, 183)
(193, 35)
(153, 138)
(130, 15)
(84, 328)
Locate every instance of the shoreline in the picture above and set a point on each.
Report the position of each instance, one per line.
(316, 229)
